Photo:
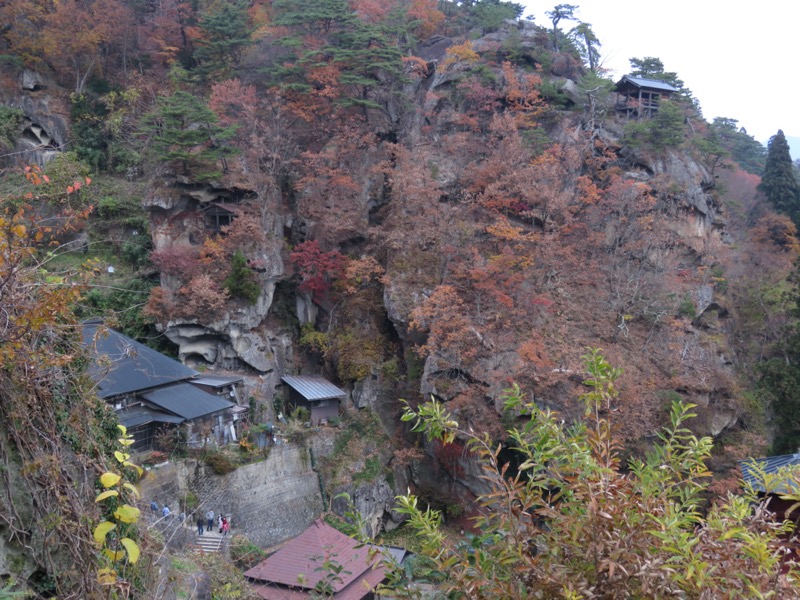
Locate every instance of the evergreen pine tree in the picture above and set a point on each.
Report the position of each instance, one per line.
(226, 33)
(651, 67)
(779, 182)
(588, 43)
(365, 55)
(185, 130)
(666, 127)
(743, 148)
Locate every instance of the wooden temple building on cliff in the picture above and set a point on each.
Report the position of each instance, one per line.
(639, 98)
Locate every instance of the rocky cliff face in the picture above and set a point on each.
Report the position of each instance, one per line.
(511, 231)
(43, 131)
(629, 272)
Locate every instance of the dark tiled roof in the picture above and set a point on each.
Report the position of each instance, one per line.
(186, 400)
(313, 387)
(295, 561)
(121, 365)
(786, 467)
(216, 380)
(647, 83)
(135, 417)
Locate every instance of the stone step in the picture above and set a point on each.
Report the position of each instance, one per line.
(210, 541)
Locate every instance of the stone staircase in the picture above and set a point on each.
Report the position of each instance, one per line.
(210, 541)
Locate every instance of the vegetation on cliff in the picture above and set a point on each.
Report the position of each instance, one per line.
(565, 522)
(54, 432)
(441, 199)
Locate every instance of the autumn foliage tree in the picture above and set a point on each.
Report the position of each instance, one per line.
(76, 38)
(317, 269)
(53, 426)
(204, 279)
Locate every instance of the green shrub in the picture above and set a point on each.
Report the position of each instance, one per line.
(313, 340)
(219, 463)
(586, 510)
(10, 120)
(226, 583)
(687, 307)
(664, 130)
(302, 414)
(65, 170)
(371, 471)
(190, 502)
(244, 553)
(242, 282)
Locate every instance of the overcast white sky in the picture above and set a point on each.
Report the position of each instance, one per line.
(739, 58)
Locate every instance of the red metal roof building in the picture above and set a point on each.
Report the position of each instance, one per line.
(293, 571)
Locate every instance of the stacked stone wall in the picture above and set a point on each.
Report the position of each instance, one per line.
(269, 501)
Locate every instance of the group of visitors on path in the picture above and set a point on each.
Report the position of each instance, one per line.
(165, 512)
(204, 523)
(208, 523)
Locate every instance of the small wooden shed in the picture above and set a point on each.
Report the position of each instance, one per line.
(315, 393)
(639, 97)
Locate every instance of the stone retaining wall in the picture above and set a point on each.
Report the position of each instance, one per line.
(269, 501)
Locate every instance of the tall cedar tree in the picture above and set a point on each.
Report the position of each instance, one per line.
(185, 130)
(779, 181)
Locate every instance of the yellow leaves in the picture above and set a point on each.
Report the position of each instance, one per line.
(132, 549)
(114, 555)
(116, 547)
(106, 576)
(127, 514)
(106, 494)
(361, 272)
(415, 65)
(460, 52)
(102, 530)
(109, 479)
(502, 229)
(131, 488)
(139, 469)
